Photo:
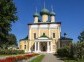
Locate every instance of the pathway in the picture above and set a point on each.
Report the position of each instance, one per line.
(51, 58)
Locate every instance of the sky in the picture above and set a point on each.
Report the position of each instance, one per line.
(69, 12)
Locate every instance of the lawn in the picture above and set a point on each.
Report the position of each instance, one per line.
(82, 60)
(38, 59)
(13, 55)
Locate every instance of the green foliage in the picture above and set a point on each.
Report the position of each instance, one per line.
(79, 50)
(81, 37)
(11, 52)
(12, 39)
(7, 16)
(65, 52)
(76, 51)
(79, 47)
(80, 60)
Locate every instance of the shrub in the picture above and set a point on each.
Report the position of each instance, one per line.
(79, 50)
(76, 51)
(65, 52)
(10, 52)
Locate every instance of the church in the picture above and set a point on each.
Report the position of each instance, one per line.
(43, 34)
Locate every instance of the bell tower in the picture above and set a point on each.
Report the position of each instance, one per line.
(45, 14)
(52, 15)
(36, 16)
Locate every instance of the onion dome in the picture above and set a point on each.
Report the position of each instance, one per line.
(52, 13)
(36, 15)
(44, 11)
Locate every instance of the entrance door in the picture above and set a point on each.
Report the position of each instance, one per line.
(43, 46)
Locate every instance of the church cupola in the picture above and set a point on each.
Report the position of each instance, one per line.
(36, 16)
(52, 15)
(44, 13)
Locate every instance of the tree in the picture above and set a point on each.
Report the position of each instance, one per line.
(65, 52)
(81, 37)
(79, 48)
(76, 51)
(12, 39)
(7, 16)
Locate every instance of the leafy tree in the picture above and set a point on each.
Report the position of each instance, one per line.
(12, 39)
(7, 16)
(79, 46)
(64, 52)
(76, 51)
(81, 37)
(79, 50)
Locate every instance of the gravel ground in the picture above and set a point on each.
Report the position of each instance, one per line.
(51, 58)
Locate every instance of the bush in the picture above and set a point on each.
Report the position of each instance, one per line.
(65, 52)
(79, 50)
(10, 52)
(76, 51)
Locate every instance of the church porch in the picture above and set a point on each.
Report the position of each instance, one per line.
(43, 45)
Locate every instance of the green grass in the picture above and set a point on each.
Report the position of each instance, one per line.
(11, 55)
(82, 60)
(38, 59)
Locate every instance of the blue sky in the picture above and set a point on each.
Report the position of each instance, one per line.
(69, 12)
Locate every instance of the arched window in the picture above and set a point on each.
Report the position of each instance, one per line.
(53, 35)
(34, 35)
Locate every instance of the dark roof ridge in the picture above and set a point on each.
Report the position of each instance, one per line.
(44, 23)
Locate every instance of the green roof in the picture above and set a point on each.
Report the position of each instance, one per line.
(52, 13)
(44, 11)
(26, 38)
(65, 38)
(44, 35)
(36, 15)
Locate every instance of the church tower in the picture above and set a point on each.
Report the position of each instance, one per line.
(36, 16)
(52, 15)
(45, 14)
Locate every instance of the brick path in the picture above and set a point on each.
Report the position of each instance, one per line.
(51, 58)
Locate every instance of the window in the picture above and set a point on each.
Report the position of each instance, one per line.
(24, 46)
(53, 35)
(34, 35)
(43, 33)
